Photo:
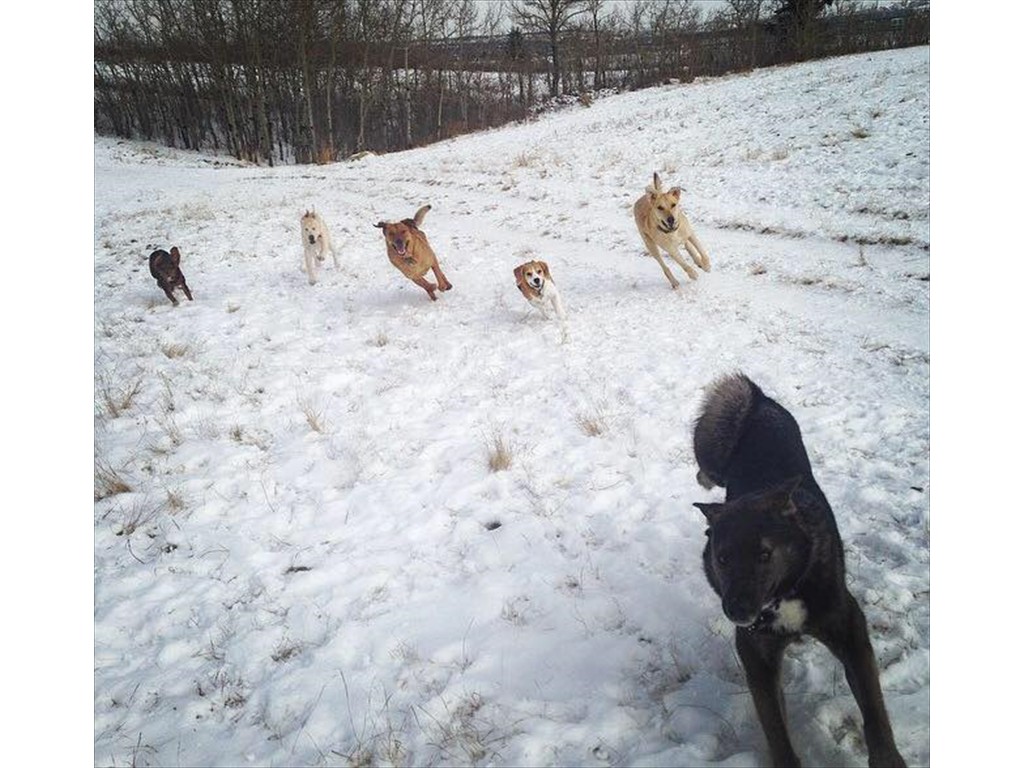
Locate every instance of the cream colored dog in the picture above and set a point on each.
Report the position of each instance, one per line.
(316, 241)
(662, 224)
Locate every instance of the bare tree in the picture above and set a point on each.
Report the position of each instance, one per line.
(551, 17)
(596, 25)
(799, 22)
(746, 17)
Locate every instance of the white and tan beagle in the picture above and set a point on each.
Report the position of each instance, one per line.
(533, 279)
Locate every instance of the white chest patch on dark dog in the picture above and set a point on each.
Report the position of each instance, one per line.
(790, 616)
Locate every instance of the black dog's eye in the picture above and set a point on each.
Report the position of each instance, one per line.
(764, 555)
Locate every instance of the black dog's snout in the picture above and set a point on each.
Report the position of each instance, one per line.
(740, 610)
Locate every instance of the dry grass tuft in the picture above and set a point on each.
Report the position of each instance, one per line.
(314, 413)
(107, 482)
(119, 398)
(500, 452)
(592, 424)
(175, 501)
(174, 350)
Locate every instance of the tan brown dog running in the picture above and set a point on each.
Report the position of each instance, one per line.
(410, 252)
(662, 224)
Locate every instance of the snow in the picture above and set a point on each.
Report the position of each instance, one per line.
(315, 565)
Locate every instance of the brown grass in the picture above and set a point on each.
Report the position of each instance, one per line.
(500, 453)
(107, 481)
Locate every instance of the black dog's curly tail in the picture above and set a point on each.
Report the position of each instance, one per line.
(721, 424)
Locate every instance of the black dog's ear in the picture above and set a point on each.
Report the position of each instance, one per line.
(711, 511)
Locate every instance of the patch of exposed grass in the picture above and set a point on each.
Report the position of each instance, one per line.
(500, 452)
(592, 424)
(174, 350)
(314, 413)
(107, 481)
(118, 397)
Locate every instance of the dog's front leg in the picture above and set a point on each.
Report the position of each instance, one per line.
(442, 281)
(310, 266)
(762, 662)
(653, 250)
(556, 302)
(847, 637)
(427, 286)
(169, 290)
(673, 251)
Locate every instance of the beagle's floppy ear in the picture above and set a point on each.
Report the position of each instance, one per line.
(545, 270)
(518, 272)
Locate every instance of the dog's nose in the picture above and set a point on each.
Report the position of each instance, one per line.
(740, 611)
(671, 221)
(312, 240)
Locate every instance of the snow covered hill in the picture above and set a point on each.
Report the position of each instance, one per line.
(346, 525)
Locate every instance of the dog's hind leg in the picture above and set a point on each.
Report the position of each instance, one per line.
(762, 662)
(850, 643)
(184, 287)
(170, 294)
(697, 252)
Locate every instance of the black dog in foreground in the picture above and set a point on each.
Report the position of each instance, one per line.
(775, 558)
(164, 267)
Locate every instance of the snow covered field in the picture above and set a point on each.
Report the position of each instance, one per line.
(304, 554)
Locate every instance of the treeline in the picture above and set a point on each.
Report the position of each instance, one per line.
(316, 80)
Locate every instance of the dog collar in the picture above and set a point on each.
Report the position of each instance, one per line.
(766, 618)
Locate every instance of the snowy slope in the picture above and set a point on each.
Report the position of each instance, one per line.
(309, 560)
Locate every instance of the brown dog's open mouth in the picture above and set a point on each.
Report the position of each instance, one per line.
(667, 230)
